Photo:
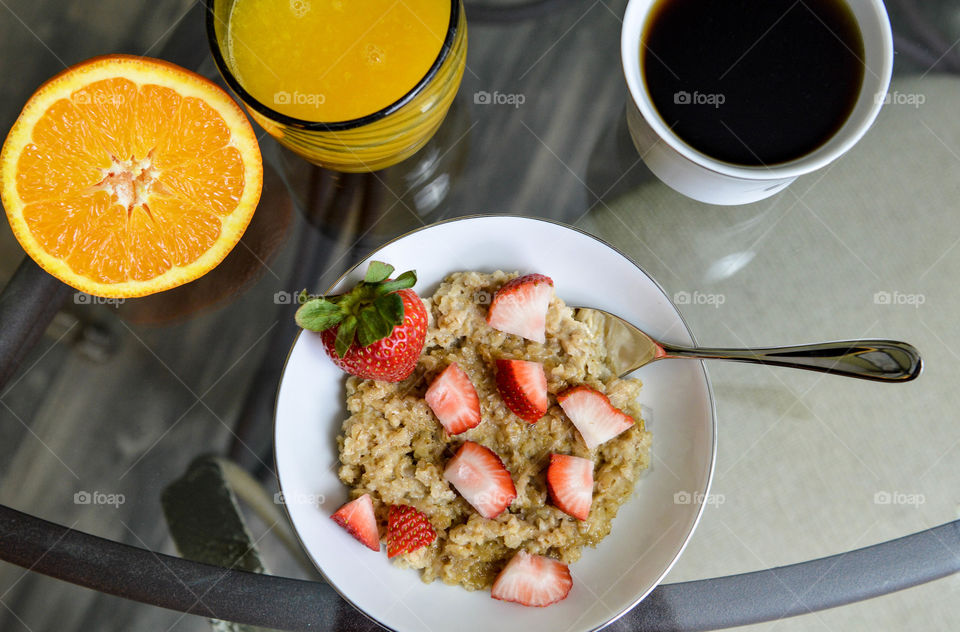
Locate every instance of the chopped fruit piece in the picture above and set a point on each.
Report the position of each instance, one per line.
(358, 519)
(387, 319)
(570, 482)
(520, 307)
(532, 580)
(593, 415)
(453, 399)
(523, 387)
(407, 530)
(480, 477)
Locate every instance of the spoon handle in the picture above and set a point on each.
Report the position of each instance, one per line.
(880, 360)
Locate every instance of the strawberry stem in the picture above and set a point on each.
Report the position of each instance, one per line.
(367, 313)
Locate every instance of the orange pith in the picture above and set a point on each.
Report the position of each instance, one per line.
(124, 176)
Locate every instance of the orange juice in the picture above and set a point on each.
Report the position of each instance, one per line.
(333, 60)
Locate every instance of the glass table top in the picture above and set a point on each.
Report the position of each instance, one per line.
(118, 399)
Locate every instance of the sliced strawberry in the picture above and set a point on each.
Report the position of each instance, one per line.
(358, 519)
(523, 387)
(532, 580)
(570, 483)
(407, 530)
(480, 477)
(520, 307)
(453, 399)
(593, 415)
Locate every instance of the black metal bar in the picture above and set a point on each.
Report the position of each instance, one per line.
(158, 579)
(27, 305)
(797, 589)
(291, 604)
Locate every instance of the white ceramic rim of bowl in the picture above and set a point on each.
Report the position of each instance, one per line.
(877, 48)
(706, 377)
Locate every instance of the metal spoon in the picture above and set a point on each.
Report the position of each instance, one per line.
(880, 360)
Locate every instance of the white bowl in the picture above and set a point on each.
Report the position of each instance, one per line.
(652, 527)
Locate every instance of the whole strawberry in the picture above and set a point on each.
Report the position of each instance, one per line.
(376, 330)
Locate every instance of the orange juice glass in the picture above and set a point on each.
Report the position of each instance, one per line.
(317, 74)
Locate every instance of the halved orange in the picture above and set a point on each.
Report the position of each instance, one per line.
(124, 176)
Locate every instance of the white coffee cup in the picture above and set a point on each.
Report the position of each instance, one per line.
(707, 179)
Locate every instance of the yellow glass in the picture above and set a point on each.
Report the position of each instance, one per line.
(370, 142)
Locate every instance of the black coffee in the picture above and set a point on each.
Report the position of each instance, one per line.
(753, 82)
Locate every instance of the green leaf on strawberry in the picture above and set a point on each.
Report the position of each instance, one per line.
(345, 335)
(390, 307)
(318, 314)
(367, 314)
(405, 280)
(378, 272)
(373, 327)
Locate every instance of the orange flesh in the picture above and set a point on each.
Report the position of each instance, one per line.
(125, 181)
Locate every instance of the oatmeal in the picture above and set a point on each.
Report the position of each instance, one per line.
(393, 447)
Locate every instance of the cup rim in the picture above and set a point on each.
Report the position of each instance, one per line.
(630, 35)
(335, 126)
